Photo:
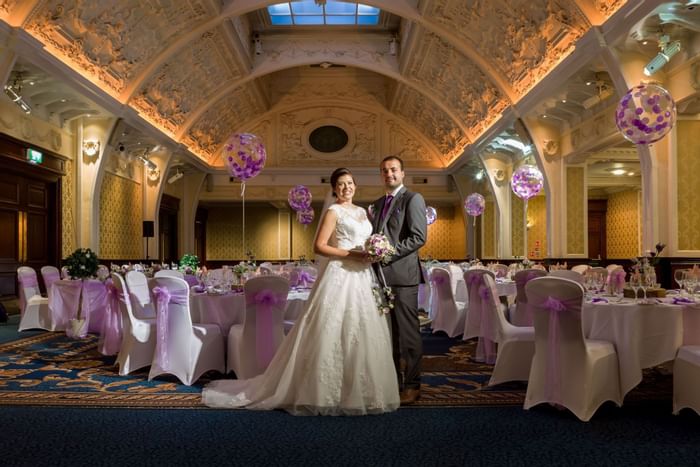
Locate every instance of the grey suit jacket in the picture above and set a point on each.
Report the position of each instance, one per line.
(406, 228)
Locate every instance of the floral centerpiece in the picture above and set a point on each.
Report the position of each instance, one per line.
(81, 264)
(189, 263)
(381, 250)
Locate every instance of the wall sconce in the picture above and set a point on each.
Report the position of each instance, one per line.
(91, 148)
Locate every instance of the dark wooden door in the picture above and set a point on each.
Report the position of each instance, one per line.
(168, 226)
(29, 227)
(597, 237)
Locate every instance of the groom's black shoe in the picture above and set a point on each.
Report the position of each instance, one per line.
(409, 396)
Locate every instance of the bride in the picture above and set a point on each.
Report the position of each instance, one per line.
(337, 360)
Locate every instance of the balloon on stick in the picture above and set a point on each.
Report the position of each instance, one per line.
(645, 114)
(527, 181)
(305, 216)
(299, 197)
(475, 204)
(430, 214)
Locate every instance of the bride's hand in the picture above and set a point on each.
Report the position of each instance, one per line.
(358, 255)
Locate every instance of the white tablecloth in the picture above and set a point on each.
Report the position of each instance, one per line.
(229, 309)
(644, 335)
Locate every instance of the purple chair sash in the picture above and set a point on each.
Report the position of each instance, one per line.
(265, 301)
(111, 336)
(553, 371)
(49, 279)
(474, 279)
(163, 298)
(25, 281)
(438, 279)
(305, 279)
(521, 281)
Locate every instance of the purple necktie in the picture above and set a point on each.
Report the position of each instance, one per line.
(387, 203)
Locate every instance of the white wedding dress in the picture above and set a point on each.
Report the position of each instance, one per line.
(337, 360)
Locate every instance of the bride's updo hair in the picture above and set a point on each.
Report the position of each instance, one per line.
(337, 173)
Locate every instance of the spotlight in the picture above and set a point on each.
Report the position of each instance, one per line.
(668, 50)
(121, 147)
(257, 44)
(17, 98)
(150, 165)
(178, 175)
(392, 46)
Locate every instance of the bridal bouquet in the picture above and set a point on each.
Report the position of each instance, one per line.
(383, 297)
(379, 248)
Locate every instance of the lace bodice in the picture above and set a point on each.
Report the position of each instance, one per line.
(352, 227)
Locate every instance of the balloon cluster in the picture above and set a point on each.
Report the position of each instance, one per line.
(300, 200)
(527, 181)
(430, 214)
(244, 156)
(645, 114)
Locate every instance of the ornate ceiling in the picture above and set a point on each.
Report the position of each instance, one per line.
(189, 69)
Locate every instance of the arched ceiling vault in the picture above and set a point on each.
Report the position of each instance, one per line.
(189, 68)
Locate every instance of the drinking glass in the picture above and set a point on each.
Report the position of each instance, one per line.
(679, 277)
(691, 281)
(635, 284)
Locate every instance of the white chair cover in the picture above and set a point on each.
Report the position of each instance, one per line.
(459, 289)
(686, 379)
(50, 274)
(169, 273)
(516, 344)
(500, 270)
(34, 309)
(580, 268)
(424, 293)
(520, 313)
(568, 274)
(449, 314)
(568, 369)
(64, 273)
(140, 295)
(183, 349)
(138, 335)
(477, 325)
(252, 345)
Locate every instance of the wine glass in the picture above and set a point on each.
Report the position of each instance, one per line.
(635, 284)
(679, 277)
(691, 281)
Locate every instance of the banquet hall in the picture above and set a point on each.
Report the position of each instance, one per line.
(547, 133)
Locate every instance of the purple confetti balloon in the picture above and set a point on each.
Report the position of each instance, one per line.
(645, 114)
(430, 214)
(244, 156)
(527, 181)
(299, 198)
(305, 216)
(475, 204)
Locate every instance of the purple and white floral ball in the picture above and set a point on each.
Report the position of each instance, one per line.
(430, 214)
(475, 204)
(305, 216)
(527, 182)
(244, 155)
(299, 198)
(645, 114)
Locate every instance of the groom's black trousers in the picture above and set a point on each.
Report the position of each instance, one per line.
(405, 336)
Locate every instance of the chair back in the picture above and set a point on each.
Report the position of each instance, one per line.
(263, 330)
(494, 327)
(455, 277)
(102, 272)
(580, 268)
(500, 270)
(266, 270)
(557, 303)
(473, 278)
(64, 273)
(568, 274)
(124, 300)
(28, 285)
(173, 319)
(50, 274)
(169, 273)
(140, 294)
(521, 278)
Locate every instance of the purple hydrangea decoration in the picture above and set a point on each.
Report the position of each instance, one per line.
(527, 181)
(299, 198)
(244, 156)
(645, 114)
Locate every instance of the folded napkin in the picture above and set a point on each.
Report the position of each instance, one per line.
(599, 300)
(682, 300)
(198, 289)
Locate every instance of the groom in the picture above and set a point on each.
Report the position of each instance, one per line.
(400, 215)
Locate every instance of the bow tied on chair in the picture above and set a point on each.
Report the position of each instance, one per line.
(438, 279)
(163, 298)
(111, 336)
(474, 279)
(266, 300)
(305, 279)
(26, 281)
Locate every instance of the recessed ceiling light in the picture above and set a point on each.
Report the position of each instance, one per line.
(588, 83)
(618, 171)
(631, 174)
(63, 100)
(563, 101)
(544, 116)
(88, 115)
(31, 83)
(645, 42)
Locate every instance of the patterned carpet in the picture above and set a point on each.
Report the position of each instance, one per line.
(49, 369)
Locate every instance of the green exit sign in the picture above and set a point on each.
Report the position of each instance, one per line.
(34, 156)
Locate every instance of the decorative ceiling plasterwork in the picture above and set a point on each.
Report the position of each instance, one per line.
(292, 125)
(407, 146)
(210, 132)
(436, 65)
(186, 82)
(431, 121)
(524, 39)
(6, 7)
(111, 42)
(608, 7)
(242, 27)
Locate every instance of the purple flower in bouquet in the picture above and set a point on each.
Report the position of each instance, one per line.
(379, 248)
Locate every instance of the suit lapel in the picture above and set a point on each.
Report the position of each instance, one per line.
(398, 196)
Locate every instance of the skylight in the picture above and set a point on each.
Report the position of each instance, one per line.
(332, 13)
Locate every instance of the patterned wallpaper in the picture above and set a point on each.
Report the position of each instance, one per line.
(537, 234)
(575, 233)
(447, 236)
(303, 237)
(516, 225)
(121, 204)
(489, 231)
(622, 224)
(68, 243)
(688, 157)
